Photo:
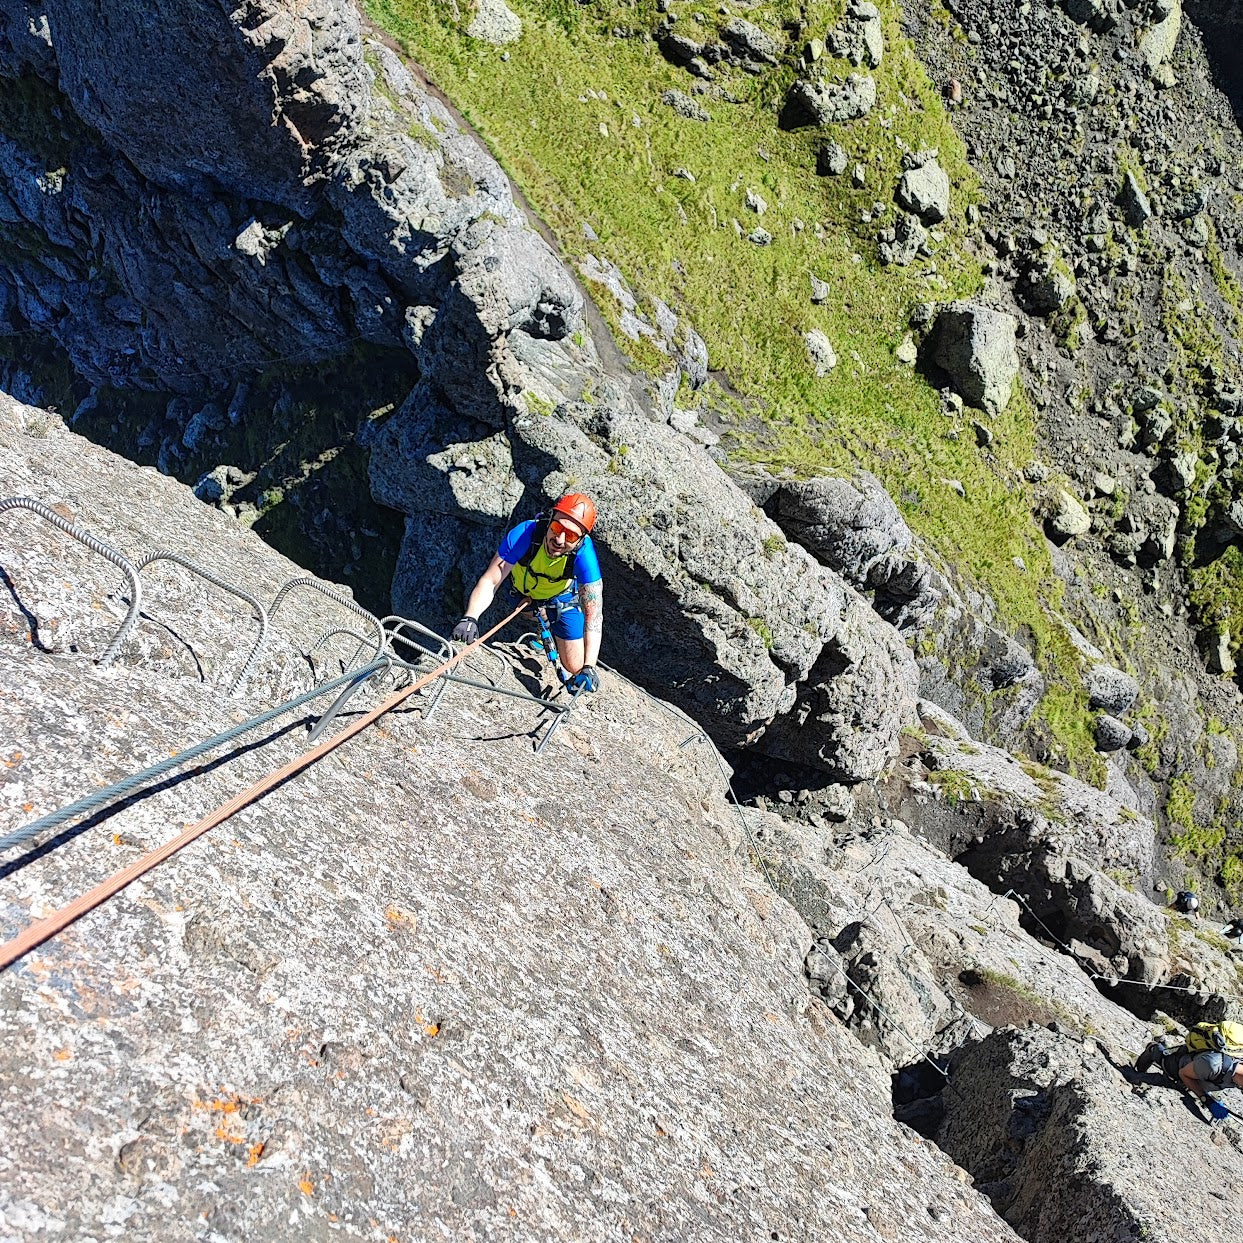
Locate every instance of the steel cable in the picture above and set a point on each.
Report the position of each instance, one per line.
(129, 785)
(96, 545)
(38, 932)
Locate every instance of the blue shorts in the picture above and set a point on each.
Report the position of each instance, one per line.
(565, 616)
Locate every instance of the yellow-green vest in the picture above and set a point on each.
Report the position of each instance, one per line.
(543, 577)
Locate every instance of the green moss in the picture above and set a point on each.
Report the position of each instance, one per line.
(954, 785)
(761, 628)
(1216, 594)
(537, 404)
(580, 157)
(774, 546)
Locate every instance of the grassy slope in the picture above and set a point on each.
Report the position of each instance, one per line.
(605, 159)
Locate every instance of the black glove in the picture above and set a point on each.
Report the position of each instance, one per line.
(466, 631)
(586, 680)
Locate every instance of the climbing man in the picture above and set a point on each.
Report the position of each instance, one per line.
(1207, 1061)
(551, 562)
(1185, 902)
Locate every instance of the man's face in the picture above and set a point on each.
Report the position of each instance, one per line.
(564, 535)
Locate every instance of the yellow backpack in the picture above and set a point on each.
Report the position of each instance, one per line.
(1216, 1038)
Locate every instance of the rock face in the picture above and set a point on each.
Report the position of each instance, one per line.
(1034, 1119)
(329, 1043)
(913, 954)
(376, 217)
(854, 528)
(976, 345)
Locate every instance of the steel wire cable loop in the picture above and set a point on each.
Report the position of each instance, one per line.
(313, 584)
(38, 932)
(395, 636)
(261, 614)
(332, 634)
(395, 627)
(132, 783)
(364, 676)
(96, 545)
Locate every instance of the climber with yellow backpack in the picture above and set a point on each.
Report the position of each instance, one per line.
(1206, 1061)
(551, 561)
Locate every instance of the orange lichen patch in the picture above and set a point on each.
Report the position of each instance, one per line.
(28, 807)
(62, 1055)
(576, 1107)
(226, 1104)
(306, 1186)
(118, 840)
(14, 759)
(226, 1134)
(430, 1028)
(399, 917)
(254, 1153)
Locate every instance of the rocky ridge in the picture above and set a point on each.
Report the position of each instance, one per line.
(304, 1019)
(437, 983)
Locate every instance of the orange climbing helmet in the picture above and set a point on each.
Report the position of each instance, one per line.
(578, 507)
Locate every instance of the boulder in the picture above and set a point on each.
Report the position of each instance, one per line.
(977, 347)
(1110, 733)
(924, 189)
(904, 242)
(831, 160)
(859, 37)
(1067, 516)
(820, 351)
(494, 22)
(848, 524)
(1111, 690)
(1133, 201)
(827, 103)
(748, 43)
(684, 105)
(1157, 43)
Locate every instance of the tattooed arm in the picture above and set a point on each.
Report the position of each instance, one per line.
(591, 601)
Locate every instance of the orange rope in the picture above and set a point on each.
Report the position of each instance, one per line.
(49, 926)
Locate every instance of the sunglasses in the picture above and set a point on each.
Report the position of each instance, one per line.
(568, 533)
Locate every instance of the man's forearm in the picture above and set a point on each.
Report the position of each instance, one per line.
(591, 600)
(480, 599)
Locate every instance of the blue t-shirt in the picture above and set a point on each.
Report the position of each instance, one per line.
(518, 541)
